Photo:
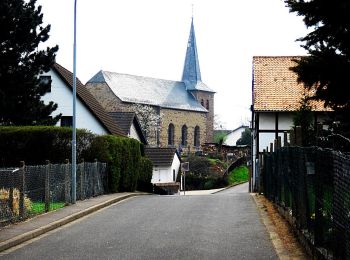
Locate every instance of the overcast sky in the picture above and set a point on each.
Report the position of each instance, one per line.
(149, 38)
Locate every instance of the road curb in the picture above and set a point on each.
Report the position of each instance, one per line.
(281, 251)
(58, 223)
(233, 185)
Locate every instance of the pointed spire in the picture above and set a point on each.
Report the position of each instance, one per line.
(191, 73)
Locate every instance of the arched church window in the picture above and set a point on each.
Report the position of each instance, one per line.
(207, 106)
(184, 135)
(196, 136)
(171, 131)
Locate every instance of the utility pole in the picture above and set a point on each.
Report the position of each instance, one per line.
(74, 134)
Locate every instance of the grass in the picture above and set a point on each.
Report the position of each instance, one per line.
(239, 174)
(39, 207)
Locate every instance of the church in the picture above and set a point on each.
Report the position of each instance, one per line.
(185, 109)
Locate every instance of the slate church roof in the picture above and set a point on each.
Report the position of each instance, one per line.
(149, 91)
(159, 92)
(191, 74)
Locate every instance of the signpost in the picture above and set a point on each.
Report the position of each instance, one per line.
(185, 167)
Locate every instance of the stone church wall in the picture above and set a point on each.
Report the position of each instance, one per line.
(179, 118)
(109, 101)
(208, 102)
(105, 96)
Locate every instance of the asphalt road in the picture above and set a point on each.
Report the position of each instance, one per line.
(226, 225)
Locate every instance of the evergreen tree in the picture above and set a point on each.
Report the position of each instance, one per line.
(304, 118)
(246, 138)
(21, 63)
(326, 68)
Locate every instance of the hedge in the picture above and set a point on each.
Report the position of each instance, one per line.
(36, 144)
(123, 155)
(144, 181)
(128, 170)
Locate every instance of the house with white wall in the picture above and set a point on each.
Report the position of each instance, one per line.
(166, 166)
(89, 113)
(232, 137)
(276, 97)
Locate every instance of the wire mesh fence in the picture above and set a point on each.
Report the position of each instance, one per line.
(30, 190)
(312, 186)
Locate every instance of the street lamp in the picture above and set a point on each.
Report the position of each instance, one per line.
(74, 134)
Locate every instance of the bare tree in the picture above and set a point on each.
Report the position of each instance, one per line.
(218, 124)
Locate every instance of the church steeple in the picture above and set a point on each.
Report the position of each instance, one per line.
(191, 73)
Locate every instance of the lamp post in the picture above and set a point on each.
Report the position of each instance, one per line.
(74, 134)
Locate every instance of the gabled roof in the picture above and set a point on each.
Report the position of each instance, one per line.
(124, 120)
(161, 156)
(149, 91)
(191, 74)
(88, 100)
(222, 131)
(275, 86)
(238, 128)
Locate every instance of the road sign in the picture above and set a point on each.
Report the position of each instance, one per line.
(185, 167)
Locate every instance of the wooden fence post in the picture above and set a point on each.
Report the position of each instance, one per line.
(285, 139)
(10, 201)
(279, 142)
(292, 137)
(94, 179)
(271, 147)
(22, 211)
(298, 136)
(82, 180)
(66, 182)
(47, 186)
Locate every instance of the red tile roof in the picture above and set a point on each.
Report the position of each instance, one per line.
(275, 86)
(90, 102)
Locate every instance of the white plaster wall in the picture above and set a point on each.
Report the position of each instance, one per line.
(176, 165)
(267, 121)
(165, 174)
(285, 121)
(232, 138)
(133, 133)
(63, 96)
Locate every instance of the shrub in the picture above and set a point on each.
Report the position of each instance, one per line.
(205, 173)
(209, 184)
(123, 156)
(145, 177)
(36, 144)
(5, 196)
(199, 166)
